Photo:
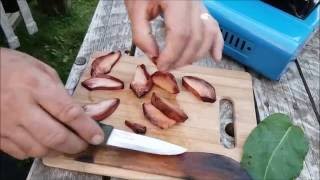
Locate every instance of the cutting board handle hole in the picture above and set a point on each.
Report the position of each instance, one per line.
(226, 123)
(229, 129)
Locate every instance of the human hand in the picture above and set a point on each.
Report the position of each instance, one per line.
(35, 111)
(190, 32)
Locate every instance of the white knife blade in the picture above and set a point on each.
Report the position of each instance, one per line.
(127, 140)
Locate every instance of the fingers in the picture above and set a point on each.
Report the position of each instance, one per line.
(22, 146)
(187, 36)
(11, 148)
(190, 52)
(217, 46)
(49, 71)
(51, 133)
(60, 105)
(52, 153)
(178, 33)
(143, 38)
(29, 123)
(27, 143)
(211, 32)
(141, 29)
(189, 39)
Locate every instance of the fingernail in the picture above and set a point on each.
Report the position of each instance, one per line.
(97, 139)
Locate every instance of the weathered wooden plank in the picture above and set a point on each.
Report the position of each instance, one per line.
(309, 62)
(40, 172)
(109, 30)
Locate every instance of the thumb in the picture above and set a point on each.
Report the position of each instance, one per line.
(142, 34)
(61, 106)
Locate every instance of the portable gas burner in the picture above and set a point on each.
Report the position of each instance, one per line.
(265, 35)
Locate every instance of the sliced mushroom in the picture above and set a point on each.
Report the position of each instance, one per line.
(200, 88)
(156, 117)
(135, 127)
(166, 81)
(141, 83)
(101, 110)
(103, 63)
(103, 82)
(170, 110)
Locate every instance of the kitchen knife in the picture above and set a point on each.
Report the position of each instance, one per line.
(127, 140)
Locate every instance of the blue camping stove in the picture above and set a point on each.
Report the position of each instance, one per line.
(265, 35)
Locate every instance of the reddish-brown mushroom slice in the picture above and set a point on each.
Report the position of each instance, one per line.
(167, 108)
(156, 117)
(101, 110)
(135, 127)
(200, 88)
(103, 63)
(103, 82)
(166, 81)
(141, 83)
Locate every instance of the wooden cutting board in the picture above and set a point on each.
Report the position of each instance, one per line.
(200, 133)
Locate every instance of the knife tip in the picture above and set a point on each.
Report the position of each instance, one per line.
(178, 151)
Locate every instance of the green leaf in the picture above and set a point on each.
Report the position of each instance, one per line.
(275, 149)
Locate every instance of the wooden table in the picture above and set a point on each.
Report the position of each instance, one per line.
(296, 94)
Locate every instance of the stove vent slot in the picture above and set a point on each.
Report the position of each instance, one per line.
(236, 42)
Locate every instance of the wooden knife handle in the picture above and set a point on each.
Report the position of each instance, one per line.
(107, 129)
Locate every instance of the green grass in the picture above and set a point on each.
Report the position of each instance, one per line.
(59, 38)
